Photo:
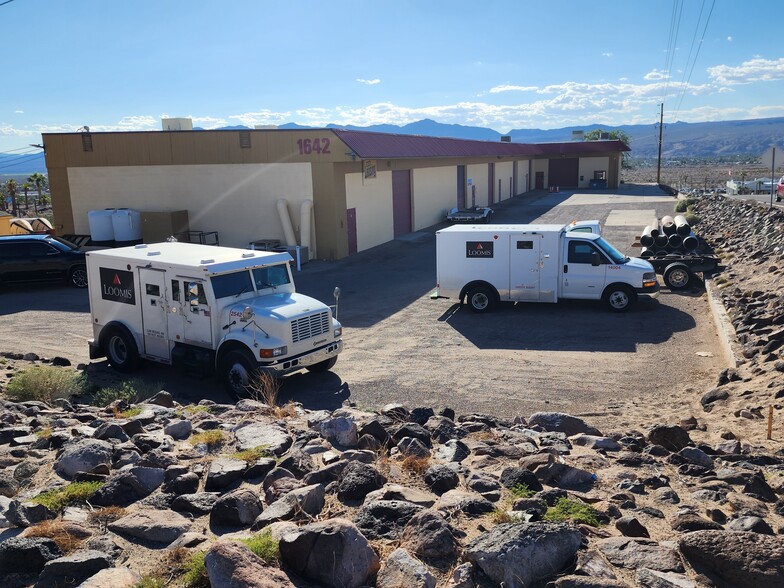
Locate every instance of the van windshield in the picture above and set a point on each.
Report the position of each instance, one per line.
(611, 251)
(232, 284)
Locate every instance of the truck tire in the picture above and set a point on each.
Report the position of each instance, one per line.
(236, 372)
(77, 277)
(323, 366)
(618, 298)
(677, 276)
(480, 299)
(120, 348)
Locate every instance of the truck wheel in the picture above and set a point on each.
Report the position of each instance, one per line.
(323, 366)
(480, 299)
(618, 298)
(677, 277)
(236, 372)
(121, 351)
(78, 276)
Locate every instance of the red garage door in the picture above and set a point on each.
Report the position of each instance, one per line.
(564, 172)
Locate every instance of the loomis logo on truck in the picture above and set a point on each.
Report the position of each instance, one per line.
(117, 286)
(479, 249)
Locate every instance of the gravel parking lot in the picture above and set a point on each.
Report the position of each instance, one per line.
(402, 346)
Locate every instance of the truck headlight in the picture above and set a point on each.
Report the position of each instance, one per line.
(649, 279)
(276, 352)
(337, 332)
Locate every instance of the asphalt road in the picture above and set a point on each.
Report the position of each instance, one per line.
(403, 346)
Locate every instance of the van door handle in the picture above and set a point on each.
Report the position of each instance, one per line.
(566, 269)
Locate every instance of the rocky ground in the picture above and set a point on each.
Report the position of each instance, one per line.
(417, 496)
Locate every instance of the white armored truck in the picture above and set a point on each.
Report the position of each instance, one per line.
(231, 311)
(487, 264)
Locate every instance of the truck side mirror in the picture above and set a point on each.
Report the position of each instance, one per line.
(596, 259)
(193, 294)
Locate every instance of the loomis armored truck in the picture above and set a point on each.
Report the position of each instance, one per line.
(230, 311)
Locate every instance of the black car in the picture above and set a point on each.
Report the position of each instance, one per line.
(28, 258)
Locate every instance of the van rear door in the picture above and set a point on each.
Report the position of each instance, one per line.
(524, 266)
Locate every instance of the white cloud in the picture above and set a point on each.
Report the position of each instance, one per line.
(9, 131)
(262, 117)
(729, 38)
(372, 82)
(512, 88)
(18, 111)
(754, 70)
(607, 54)
(208, 122)
(655, 75)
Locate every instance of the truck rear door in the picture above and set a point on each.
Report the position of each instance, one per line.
(524, 266)
(580, 278)
(154, 313)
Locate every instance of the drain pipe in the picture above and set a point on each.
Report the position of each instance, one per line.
(285, 220)
(305, 222)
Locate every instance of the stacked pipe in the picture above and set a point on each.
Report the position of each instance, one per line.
(668, 236)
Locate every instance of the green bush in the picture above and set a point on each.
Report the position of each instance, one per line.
(150, 582)
(572, 510)
(253, 454)
(265, 546)
(521, 491)
(684, 204)
(74, 493)
(195, 575)
(134, 390)
(691, 218)
(44, 383)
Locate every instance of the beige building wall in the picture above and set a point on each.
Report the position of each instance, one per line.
(524, 181)
(373, 201)
(504, 171)
(476, 176)
(588, 165)
(434, 193)
(237, 200)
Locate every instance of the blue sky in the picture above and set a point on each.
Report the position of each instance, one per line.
(504, 64)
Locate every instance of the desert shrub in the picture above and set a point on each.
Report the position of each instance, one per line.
(44, 383)
(264, 387)
(265, 546)
(500, 516)
(133, 390)
(150, 582)
(195, 571)
(211, 439)
(691, 218)
(572, 510)
(684, 204)
(73, 493)
(253, 454)
(521, 491)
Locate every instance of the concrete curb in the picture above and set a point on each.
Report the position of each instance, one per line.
(724, 328)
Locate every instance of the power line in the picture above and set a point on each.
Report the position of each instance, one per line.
(12, 150)
(24, 159)
(696, 55)
(6, 2)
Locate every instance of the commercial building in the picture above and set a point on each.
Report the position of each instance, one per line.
(343, 191)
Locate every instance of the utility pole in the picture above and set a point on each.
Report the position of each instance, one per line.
(661, 128)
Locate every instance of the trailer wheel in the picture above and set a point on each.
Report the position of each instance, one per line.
(78, 276)
(236, 372)
(618, 298)
(677, 276)
(480, 299)
(121, 351)
(323, 366)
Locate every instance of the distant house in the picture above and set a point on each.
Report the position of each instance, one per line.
(364, 188)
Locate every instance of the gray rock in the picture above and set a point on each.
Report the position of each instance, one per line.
(180, 429)
(298, 504)
(155, 526)
(128, 485)
(654, 579)
(298, 463)
(671, 437)
(565, 476)
(441, 478)
(632, 554)
(24, 472)
(519, 476)
(758, 488)
(198, 503)
(332, 553)
(340, 431)
(27, 555)
(563, 423)
(631, 527)
(232, 564)
(584, 582)
(25, 514)
(108, 431)
(238, 508)
(462, 577)
(521, 554)
(453, 450)
(736, 558)
(413, 447)
(459, 501)
(114, 577)
(83, 456)
(384, 518)
(273, 437)
(327, 474)
(402, 570)
(187, 483)
(750, 524)
(696, 456)
(692, 522)
(442, 429)
(399, 492)
(72, 569)
(224, 471)
(357, 480)
(596, 442)
(162, 398)
(485, 484)
(428, 534)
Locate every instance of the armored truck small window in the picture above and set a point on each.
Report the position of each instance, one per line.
(152, 289)
(175, 290)
(525, 244)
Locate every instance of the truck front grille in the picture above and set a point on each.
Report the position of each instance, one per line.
(310, 326)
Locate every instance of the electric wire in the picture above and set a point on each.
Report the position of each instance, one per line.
(696, 55)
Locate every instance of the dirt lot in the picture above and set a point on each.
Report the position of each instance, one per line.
(401, 346)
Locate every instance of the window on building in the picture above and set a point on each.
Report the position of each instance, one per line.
(245, 139)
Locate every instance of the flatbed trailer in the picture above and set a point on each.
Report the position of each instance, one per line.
(678, 270)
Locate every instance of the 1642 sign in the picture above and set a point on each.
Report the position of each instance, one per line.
(308, 146)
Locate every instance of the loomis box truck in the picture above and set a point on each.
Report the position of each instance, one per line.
(485, 265)
(231, 311)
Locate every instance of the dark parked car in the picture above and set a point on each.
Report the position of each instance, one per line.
(28, 258)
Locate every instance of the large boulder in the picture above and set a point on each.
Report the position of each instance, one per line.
(332, 553)
(26, 555)
(428, 535)
(154, 526)
(671, 437)
(561, 422)
(518, 555)
(358, 479)
(299, 503)
(402, 570)
(83, 456)
(633, 554)
(273, 437)
(128, 486)
(72, 569)
(230, 563)
(385, 518)
(238, 508)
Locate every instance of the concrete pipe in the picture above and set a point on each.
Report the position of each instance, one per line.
(668, 225)
(661, 241)
(655, 232)
(305, 217)
(682, 226)
(690, 242)
(675, 241)
(646, 252)
(285, 221)
(646, 239)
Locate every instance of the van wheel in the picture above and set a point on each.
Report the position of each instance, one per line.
(480, 299)
(121, 351)
(323, 366)
(677, 276)
(618, 298)
(78, 276)
(236, 372)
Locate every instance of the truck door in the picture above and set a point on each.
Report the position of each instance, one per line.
(580, 278)
(154, 313)
(197, 325)
(524, 266)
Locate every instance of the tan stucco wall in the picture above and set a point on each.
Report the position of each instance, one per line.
(504, 171)
(588, 165)
(373, 201)
(434, 193)
(237, 200)
(522, 177)
(478, 174)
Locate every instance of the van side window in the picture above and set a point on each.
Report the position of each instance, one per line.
(525, 244)
(199, 291)
(580, 252)
(175, 284)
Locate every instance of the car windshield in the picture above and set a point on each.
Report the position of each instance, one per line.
(611, 251)
(271, 276)
(232, 284)
(65, 242)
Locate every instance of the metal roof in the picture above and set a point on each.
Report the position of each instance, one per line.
(371, 145)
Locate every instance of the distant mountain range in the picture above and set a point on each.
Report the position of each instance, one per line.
(680, 140)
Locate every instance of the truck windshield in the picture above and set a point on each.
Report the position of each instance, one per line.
(611, 251)
(270, 277)
(232, 284)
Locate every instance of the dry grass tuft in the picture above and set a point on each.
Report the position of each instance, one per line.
(58, 532)
(415, 465)
(103, 516)
(264, 388)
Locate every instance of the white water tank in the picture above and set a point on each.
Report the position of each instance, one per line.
(127, 225)
(101, 227)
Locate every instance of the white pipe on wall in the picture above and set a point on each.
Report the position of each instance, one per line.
(305, 222)
(285, 221)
